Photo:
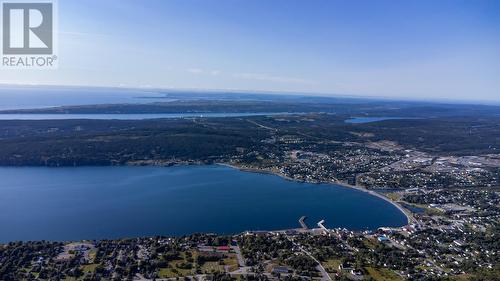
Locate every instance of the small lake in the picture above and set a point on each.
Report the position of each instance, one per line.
(112, 202)
(362, 120)
(141, 116)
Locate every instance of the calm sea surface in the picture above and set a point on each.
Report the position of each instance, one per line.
(110, 202)
(40, 97)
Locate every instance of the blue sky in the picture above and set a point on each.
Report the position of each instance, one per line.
(409, 49)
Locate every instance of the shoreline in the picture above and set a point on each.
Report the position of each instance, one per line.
(406, 213)
(409, 218)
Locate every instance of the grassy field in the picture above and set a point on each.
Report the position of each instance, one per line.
(92, 254)
(371, 243)
(89, 267)
(212, 267)
(173, 270)
(382, 274)
(394, 196)
(231, 262)
(332, 265)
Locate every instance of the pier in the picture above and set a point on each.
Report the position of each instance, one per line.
(302, 223)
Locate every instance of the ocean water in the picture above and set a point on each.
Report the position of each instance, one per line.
(111, 202)
(40, 97)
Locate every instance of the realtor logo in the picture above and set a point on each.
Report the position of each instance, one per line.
(28, 34)
(27, 28)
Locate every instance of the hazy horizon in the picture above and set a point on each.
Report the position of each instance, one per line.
(116, 90)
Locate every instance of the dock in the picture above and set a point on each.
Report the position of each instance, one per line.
(302, 223)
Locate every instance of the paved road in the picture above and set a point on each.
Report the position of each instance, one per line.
(239, 256)
(324, 275)
(243, 269)
(262, 126)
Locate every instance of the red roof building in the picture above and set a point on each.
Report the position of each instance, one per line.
(223, 248)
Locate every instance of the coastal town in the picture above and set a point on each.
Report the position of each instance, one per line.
(361, 161)
(451, 235)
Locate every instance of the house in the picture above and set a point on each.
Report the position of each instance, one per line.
(385, 230)
(410, 229)
(345, 266)
(383, 239)
(412, 190)
(204, 248)
(356, 272)
(223, 248)
(280, 270)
